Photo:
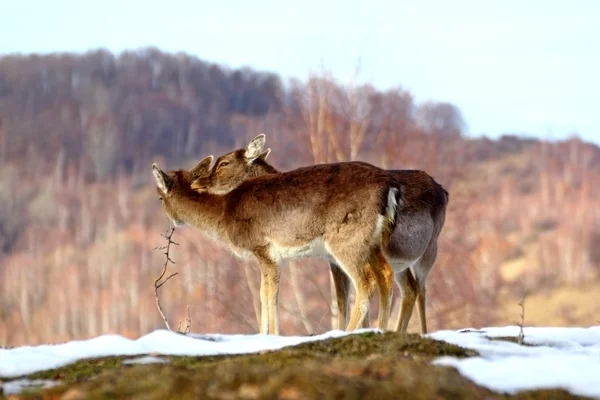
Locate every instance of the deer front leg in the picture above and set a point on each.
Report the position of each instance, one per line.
(264, 312)
(270, 277)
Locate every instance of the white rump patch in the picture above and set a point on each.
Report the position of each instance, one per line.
(392, 205)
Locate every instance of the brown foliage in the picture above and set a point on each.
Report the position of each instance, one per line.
(79, 215)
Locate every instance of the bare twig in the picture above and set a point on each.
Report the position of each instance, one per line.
(161, 280)
(238, 316)
(188, 322)
(521, 337)
(322, 318)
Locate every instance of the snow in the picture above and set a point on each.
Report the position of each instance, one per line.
(26, 360)
(146, 360)
(567, 358)
(18, 385)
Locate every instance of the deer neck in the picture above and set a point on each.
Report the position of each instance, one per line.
(203, 211)
(262, 168)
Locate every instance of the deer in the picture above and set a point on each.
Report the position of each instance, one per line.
(336, 211)
(411, 247)
(249, 162)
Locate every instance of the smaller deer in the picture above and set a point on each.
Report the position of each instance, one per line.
(411, 246)
(337, 211)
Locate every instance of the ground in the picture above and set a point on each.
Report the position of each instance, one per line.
(369, 365)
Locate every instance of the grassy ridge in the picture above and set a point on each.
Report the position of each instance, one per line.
(378, 366)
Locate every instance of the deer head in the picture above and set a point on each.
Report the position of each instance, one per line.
(170, 186)
(233, 168)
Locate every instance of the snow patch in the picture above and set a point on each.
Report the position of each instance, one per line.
(566, 358)
(146, 360)
(18, 385)
(25, 360)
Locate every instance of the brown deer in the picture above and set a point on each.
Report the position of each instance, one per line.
(338, 211)
(413, 242)
(251, 162)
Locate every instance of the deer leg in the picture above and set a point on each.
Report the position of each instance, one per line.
(367, 321)
(270, 277)
(421, 299)
(365, 288)
(421, 271)
(342, 291)
(385, 281)
(273, 283)
(342, 285)
(363, 282)
(408, 293)
(264, 313)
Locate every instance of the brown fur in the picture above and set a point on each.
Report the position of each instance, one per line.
(410, 243)
(336, 211)
(233, 168)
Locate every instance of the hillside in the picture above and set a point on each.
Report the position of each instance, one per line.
(492, 363)
(80, 216)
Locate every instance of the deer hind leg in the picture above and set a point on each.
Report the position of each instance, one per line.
(362, 280)
(421, 300)
(384, 276)
(421, 271)
(372, 277)
(408, 292)
(366, 322)
(342, 286)
(365, 286)
(342, 292)
(269, 294)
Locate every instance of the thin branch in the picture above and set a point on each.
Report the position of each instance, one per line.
(321, 321)
(158, 284)
(326, 299)
(521, 336)
(238, 316)
(188, 322)
(165, 281)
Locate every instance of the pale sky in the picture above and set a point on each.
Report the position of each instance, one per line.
(526, 66)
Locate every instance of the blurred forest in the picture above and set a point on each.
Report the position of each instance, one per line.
(79, 214)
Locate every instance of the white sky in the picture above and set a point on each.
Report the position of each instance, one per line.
(511, 66)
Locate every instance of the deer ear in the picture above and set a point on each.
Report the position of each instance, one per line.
(202, 167)
(163, 181)
(265, 154)
(254, 148)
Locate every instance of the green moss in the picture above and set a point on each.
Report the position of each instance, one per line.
(351, 346)
(80, 371)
